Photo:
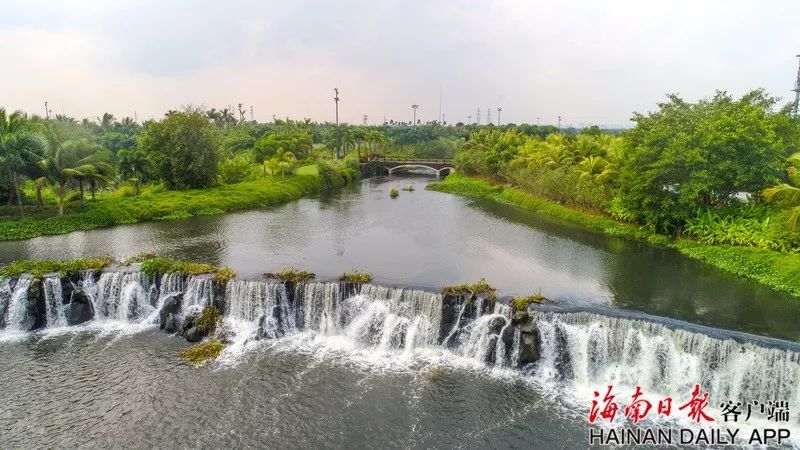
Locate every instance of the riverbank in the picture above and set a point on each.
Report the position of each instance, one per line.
(778, 270)
(168, 205)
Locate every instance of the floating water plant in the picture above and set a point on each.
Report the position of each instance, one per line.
(394, 192)
(409, 188)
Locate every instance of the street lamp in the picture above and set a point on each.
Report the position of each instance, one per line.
(414, 109)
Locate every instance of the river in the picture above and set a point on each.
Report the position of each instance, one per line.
(430, 239)
(370, 369)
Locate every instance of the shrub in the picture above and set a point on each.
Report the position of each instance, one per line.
(151, 266)
(235, 170)
(296, 275)
(473, 289)
(394, 193)
(356, 277)
(521, 303)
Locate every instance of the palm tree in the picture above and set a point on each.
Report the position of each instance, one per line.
(20, 150)
(133, 166)
(74, 160)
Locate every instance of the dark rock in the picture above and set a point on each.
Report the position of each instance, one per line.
(170, 325)
(171, 306)
(563, 361)
(193, 335)
(67, 287)
(37, 306)
(529, 348)
(80, 308)
(219, 298)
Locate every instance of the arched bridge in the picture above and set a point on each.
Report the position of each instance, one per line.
(392, 165)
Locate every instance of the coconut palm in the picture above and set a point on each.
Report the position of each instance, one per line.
(133, 166)
(20, 150)
(74, 161)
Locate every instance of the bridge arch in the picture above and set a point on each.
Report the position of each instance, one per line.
(439, 170)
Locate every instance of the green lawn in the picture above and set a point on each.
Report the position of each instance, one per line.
(165, 205)
(310, 169)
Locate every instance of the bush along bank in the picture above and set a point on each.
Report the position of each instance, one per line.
(778, 270)
(170, 205)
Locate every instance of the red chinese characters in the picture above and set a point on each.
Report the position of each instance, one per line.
(639, 407)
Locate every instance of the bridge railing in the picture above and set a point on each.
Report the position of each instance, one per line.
(412, 161)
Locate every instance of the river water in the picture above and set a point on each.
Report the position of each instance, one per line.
(370, 369)
(431, 239)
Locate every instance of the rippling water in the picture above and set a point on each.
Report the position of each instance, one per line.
(86, 390)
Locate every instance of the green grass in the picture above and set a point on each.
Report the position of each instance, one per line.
(166, 205)
(480, 287)
(778, 270)
(310, 169)
(37, 268)
(152, 265)
(463, 185)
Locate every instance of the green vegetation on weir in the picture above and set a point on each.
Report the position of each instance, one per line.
(38, 267)
(778, 270)
(150, 264)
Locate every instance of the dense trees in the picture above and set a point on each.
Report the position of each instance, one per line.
(184, 149)
(688, 156)
(695, 169)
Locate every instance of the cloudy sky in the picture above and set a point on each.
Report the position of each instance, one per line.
(588, 61)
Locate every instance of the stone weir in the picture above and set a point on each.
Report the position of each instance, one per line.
(475, 325)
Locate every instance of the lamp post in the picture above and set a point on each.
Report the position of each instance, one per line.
(338, 134)
(414, 109)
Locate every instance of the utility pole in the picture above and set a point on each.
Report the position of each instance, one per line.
(478, 117)
(559, 123)
(797, 91)
(47, 111)
(499, 110)
(489, 115)
(364, 119)
(440, 105)
(444, 120)
(538, 121)
(414, 110)
(469, 119)
(338, 134)
(251, 114)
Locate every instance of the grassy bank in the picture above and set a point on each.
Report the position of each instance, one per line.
(167, 205)
(778, 270)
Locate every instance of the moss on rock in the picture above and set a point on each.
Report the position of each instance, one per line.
(203, 352)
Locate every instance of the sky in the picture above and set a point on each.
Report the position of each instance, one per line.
(589, 62)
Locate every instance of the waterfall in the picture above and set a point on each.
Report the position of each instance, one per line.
(258, 309)
(199, 293)
(587, 349)
(17, 317)
(376, 317)
(122, 296)
(54, 299)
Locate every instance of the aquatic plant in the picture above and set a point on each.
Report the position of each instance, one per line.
(203, 352)
(37, 268)
(393, 192)
(409, 188)
(356, 277)
(521, 303)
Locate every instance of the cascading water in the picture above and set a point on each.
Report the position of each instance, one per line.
(258, 309)
(17, 317)
(54, 299)
(377, 317)
(198, 294)
(122, 296)
(586, 350)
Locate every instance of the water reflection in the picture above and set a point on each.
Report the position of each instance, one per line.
(431, 239)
